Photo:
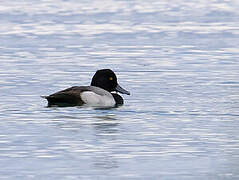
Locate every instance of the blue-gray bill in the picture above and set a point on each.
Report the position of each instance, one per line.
(121, 90)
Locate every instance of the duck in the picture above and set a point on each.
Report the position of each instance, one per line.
(102, 92)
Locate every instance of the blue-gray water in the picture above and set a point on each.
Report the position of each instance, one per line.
(179, 59)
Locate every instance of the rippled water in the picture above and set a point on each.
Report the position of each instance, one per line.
(179, 59)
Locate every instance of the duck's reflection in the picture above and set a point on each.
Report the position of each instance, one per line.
(100, 133)
(106, 126)
(105, 162)
(106, 129)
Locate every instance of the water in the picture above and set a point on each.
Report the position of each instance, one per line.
(178, 58)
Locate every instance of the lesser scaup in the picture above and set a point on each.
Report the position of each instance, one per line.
(97, 94)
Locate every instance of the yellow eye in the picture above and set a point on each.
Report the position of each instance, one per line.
(110, 78)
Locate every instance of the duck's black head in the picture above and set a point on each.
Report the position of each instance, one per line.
(107, 80)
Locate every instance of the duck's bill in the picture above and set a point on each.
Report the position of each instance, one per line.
(121, 90)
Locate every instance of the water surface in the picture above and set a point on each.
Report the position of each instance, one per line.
(178, 58)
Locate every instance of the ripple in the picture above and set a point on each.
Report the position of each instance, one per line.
(179, 59)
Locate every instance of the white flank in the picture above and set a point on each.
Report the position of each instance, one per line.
(93, 99)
